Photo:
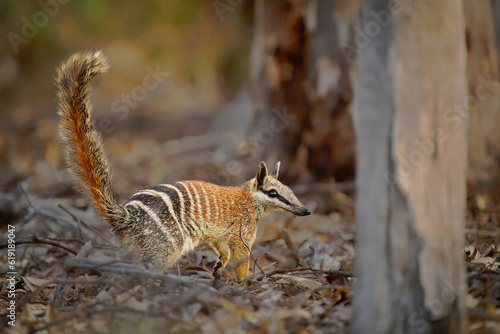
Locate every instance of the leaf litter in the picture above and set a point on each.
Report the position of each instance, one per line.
(72, 279)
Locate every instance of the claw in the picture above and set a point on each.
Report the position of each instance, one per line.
(215, 273)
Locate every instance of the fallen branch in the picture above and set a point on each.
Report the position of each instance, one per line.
(122, 268)
(482, 233)
(298, 269)
(39, 239)
(336, 271)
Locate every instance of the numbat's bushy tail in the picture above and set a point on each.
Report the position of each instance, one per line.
(82, 144)
(162, 222)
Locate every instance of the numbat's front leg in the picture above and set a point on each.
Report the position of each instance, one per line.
(239, 252)
(224, 255)
(215, 274)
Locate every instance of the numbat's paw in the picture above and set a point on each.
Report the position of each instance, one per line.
(216, 268)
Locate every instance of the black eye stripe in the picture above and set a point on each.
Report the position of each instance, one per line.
(278, 196)
(281, 198)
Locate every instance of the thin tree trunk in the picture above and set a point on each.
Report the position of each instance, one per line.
(299, 70)
(483, 100)
(411, 168)
(495, 14)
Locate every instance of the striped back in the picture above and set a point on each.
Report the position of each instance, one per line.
(171, 219)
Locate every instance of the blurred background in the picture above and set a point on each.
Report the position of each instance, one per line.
(195, 90)
(195, 62)
(208, 89)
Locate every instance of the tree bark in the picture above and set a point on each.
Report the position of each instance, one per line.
(483, 99)
(299, 69)
(495, 13)
(411, 173)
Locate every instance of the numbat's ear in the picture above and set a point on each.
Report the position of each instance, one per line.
(276, 170)
(261, 174)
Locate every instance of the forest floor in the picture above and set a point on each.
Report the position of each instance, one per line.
(69, 277)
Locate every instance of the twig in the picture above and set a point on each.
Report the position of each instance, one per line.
(80, 222)
(283, 233)
(288, 241)
(283, 271)
(246, 245)
(488, 250)
(299, 269)
(30, 239)
(85, 250)
(274, 272)
(31, 208)
(76, 219)
(38, 239)
(336, 271)
(482, 233)
(65, 280)
(118, 267)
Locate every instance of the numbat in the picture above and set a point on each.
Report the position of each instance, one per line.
(162, 222)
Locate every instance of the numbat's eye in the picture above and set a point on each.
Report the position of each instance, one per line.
(272, 193)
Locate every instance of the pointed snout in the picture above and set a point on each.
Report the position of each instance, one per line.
(301, 211)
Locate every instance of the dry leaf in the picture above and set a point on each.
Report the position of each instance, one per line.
(302, 282)
(100, 325)
(33, 283)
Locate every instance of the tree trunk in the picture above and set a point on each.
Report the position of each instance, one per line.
(483, 100)
(412, 156)
(495, 13)
(298, 69)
